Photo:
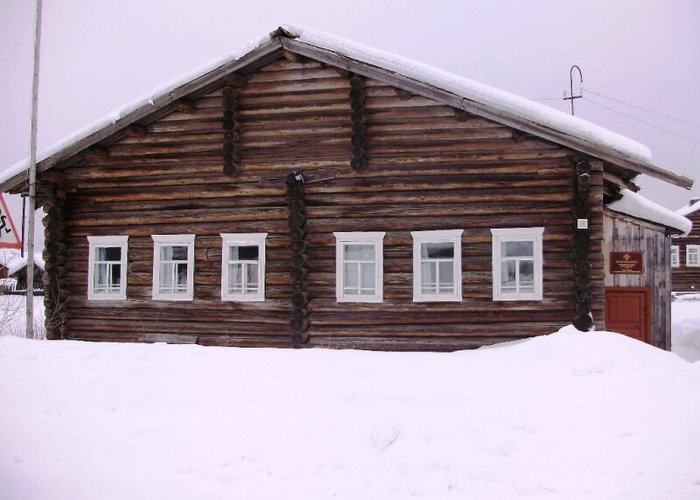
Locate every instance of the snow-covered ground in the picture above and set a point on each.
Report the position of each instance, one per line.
(564, 416)
(686, 326)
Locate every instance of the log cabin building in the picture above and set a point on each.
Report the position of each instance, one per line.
(313, 192)
(685, 252)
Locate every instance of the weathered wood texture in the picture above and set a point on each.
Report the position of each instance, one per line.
(595, 255)
(426, 169)
(624, 234)
(687, 278)
(55, 263)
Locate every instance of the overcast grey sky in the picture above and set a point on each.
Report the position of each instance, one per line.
(99, 54)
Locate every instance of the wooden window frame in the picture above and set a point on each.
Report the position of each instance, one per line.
(453, 236)
(675, 256)
(529, 234)
(696, 257)
(373, 238)
(95, 243)
(161, 241)
(242, 239)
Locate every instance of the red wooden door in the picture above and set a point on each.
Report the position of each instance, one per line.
(628, 311)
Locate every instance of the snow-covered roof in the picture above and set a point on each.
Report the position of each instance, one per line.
(638, 206)
(470, 95)
(19, 262)
(690, 208)
(8, 256)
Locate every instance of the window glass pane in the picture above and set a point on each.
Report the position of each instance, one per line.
(108, 253)
(352, 278)
(428, 276)
(517, 249)
(235, 278)
(112, 253)
(100, 277)
(367, 278)
(446, 276)
(358, 252)
(181, 275)
(116, 277)
(179, 252)
(527, 275)
(437, 250)
(252, 277)
(248, 252)
(368, 252)
(508, 276)
(166, 277)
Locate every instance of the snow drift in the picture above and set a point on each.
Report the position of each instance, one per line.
(567, 415)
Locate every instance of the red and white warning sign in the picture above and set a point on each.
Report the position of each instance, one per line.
(9, 238)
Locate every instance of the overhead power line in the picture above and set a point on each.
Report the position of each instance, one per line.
(641, 121)
(619, 101)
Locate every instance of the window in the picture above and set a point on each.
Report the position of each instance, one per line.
(675, 256)
(517, 263)
(173, 267)
(243, 267)
(692, 255)
(359, 266)
(107, 267)
(437, 266)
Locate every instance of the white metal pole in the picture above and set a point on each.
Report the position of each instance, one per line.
(31, 212)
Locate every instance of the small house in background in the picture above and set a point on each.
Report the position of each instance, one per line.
(310, 191)
(13, 272)
(18, 272)
(13, 269)
(7, 258)
(685, 252)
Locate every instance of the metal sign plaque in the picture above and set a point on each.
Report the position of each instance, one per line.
(626, 263)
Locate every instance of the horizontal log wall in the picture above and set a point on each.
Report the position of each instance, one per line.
(687, 279)
(624, 234)
(427, 167)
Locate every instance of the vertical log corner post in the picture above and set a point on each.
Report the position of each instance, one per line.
(359, 123)
(55, 257)
(583, 319)
(232, 124)
(299, 322)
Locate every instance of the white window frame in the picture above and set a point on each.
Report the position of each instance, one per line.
(675, 256)
(531, 234)
(453, 236)
(374, 238)
(165, 240)
(242, 239)
(692, 255)
(96, 242)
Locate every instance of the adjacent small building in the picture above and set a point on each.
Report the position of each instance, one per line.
(310, 191)
(685, 252)
(13, 272)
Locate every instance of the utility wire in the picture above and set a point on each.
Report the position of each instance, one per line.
(641, 121)
(641, 108)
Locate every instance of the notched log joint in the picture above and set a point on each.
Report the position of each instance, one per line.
(359, 124)
(299, 321)
(232, 125)
(582, 241)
